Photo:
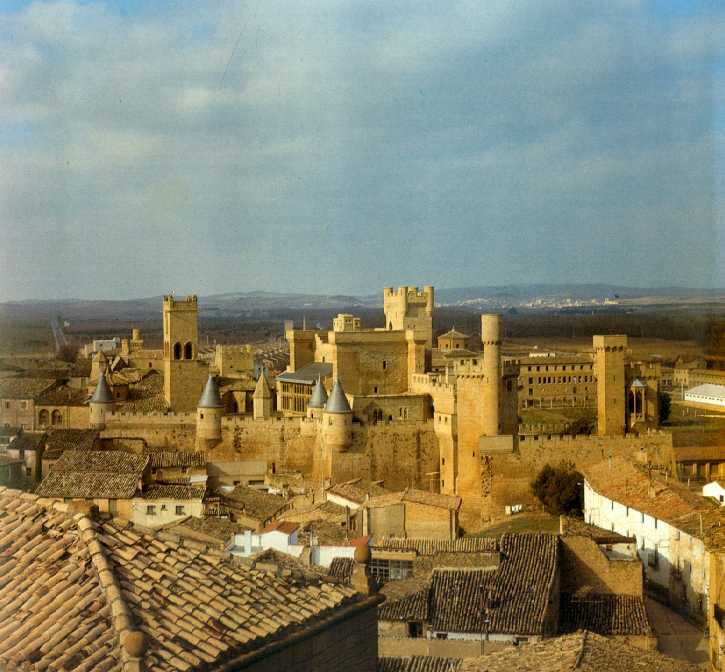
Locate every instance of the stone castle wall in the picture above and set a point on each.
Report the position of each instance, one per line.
(506, 479)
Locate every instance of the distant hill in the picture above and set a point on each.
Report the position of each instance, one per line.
(468, 298)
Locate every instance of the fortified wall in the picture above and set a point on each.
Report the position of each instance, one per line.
(402, 453)
(506, 478)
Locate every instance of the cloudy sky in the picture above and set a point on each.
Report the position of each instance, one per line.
(148, 147)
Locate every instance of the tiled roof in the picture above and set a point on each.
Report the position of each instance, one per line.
(27, 441)
(622, 481)
(413, 607)
(63, 395)
(84, 594)
(583, 651)
(453, 334)
(102, 461)
(604, 614)
(24, 388)
(221, 529)
(87, 485)
(435, 546)
(699, 453)
(438, 500)
(356, 490)
(514, 597)
(163, 459)
(146, 396)
(341, 568)
(52, 607)
(71, 439)
(94, 474)
(254, 503)
(418, 664)
(181, 492)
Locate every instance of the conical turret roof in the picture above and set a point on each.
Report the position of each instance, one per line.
(210, 396)
(337, 402)
(319, 395)
(102, 393)
(262, 389)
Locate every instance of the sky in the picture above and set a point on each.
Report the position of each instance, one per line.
(343, 146)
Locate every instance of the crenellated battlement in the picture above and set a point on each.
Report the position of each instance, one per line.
(190, 301)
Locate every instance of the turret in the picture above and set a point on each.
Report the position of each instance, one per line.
(317, 401)
(337, 420)
(262, 398)
(491, 337)
(209, 412)
(101, 403)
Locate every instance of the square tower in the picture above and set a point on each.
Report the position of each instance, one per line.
(183, 376)
(410, 308)
(609, 355)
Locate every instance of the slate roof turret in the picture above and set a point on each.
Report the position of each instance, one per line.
(337, 402)
(210, 396)
(319, 395)
(102, 393)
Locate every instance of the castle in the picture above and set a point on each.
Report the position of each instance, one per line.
(367, 402)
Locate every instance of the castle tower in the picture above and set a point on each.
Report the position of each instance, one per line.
(136, 340)
(99, 364)
(609, 355)
(491, 337)
(182, 380)
(337, 420)
(262, 398)
(410, 308)
(101, 403)
(317, 401)
(209, 412)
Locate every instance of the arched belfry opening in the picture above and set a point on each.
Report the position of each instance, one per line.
(177, 350)
(188, 350)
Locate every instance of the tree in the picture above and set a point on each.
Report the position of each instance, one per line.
(665, 405)
(559, 488)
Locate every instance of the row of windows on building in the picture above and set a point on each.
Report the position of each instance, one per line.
(180, 509)
(544, 380)
(560, 367)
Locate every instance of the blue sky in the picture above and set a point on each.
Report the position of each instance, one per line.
(345, 146)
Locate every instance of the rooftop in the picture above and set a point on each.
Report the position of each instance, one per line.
(75, 587)
(583, 651)
(60, 440)
(164, 459)
(63, 395)
(106, 474)
(27, 441)
(24, 388)
(604, 614)
(307, 374)
(357, 489)
(418, 664)
(254, 503)
(176, 492)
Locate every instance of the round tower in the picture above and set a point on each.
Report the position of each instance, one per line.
(101, 403)
(317, 401)
(209, 412)
(491, 338)
(337, 420)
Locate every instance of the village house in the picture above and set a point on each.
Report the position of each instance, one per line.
(668, 522)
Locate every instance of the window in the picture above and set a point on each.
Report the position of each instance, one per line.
(180, 510)
(385, 365)
(177, 350)
(7, 404)
(391, 569)
(443, 461)
(188, 350)
(415, 630)
(150, 510)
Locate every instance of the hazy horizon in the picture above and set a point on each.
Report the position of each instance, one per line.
(336, 148)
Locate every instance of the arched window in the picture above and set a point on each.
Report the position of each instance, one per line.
(56, 418)
(177, 350)
(188, 350)
(44, 418)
